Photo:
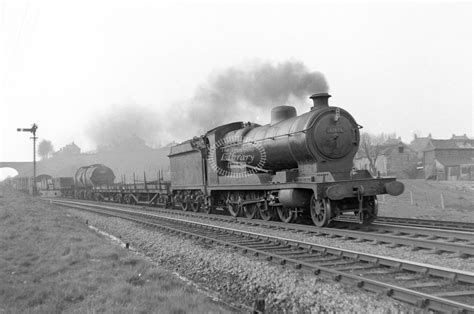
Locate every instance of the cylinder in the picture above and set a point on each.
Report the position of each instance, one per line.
(93, 175)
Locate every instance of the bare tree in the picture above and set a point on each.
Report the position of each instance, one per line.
(45, 149)
(371, 146)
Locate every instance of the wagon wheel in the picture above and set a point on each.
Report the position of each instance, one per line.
(185, 204)
(89, 195)
(118, 198)
(162, 200)
(251, 211)
(371, 212)
(320, 211)
(267, 213)
(286, 214)
(130, 200)
(196, 204)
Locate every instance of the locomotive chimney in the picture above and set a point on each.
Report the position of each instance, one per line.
(320, 101)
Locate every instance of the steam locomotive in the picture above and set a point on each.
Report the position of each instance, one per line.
(294, 166)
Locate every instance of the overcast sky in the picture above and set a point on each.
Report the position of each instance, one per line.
(402, 67)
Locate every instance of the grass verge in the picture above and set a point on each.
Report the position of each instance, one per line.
(52, 263)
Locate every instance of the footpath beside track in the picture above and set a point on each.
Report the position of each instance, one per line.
(423, 285)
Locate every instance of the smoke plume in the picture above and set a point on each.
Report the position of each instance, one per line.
(123, 125)
(234, 94)
(256, 86)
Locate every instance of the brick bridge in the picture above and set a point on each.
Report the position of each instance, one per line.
(25, 169)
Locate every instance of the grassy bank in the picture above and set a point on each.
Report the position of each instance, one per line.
(50, 263)
(426, 199)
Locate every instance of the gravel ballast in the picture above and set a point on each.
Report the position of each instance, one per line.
(447, 260)
(242, 279)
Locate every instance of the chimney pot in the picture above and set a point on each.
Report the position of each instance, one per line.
(320, 101)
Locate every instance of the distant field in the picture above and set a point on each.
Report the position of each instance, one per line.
(51, 263)
(423, 199)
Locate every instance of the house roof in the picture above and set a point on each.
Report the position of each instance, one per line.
(392, 142)
(455, 161)
(450, 144)
(420, 143)
(459, 137)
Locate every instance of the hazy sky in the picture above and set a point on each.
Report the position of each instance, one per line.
(402, 67)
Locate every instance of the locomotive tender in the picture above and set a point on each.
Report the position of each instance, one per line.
(296, 165)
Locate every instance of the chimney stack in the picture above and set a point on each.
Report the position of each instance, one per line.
(320, 101)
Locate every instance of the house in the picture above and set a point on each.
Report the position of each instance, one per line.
(68, 150)
(451, 159)
(419, 144)
(392, 158)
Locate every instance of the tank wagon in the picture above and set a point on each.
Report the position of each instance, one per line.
(294, 166)
(88, 177)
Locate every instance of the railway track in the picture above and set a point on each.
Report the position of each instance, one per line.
(431, 240)
(422, 285)
(427, 223)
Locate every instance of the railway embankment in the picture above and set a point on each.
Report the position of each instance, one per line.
(52, 262)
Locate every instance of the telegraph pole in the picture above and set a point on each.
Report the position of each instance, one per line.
(32, 130)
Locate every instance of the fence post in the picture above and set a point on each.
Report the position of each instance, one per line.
(259, 306)
(442, 201)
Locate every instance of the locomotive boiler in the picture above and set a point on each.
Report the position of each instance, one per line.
(293, 166)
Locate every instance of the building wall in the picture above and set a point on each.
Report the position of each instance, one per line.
(452, 171)
(393, 163)
(364, 164)
(429, 163)
(401, 164)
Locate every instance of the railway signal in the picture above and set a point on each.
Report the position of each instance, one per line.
(32, 130)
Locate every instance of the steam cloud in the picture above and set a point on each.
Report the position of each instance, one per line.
(258, 86)
(120, 123)
(234, 94)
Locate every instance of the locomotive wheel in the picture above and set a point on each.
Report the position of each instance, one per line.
(286, 214)
(267, 213)
(234, 209)
(196, 204)
(251, 211)
(320, 211)
(185, 205)
(372, 211)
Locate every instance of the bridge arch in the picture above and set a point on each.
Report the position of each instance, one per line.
(23, 169)
(7, 172)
